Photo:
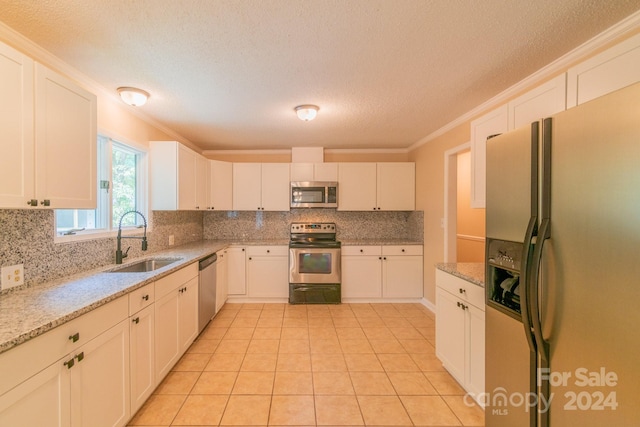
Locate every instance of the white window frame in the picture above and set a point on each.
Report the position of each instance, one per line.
(104, 203)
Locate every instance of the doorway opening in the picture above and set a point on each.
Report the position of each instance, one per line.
(464, 227)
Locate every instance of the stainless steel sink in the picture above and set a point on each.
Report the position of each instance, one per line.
(145, 265)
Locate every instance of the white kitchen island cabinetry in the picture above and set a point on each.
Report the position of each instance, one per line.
(376, 186)
(460, 330)
(64, 377)
(179, 177)
(392, 272)
(268, 272)
(261, 187)
(176, 317)
(142, 345)
(48, 137)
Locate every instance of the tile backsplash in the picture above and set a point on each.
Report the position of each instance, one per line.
(350, 225)
(27, 236)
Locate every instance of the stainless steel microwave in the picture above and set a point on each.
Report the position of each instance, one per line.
(314, 194)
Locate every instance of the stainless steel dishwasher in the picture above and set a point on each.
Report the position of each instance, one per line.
(207, 291)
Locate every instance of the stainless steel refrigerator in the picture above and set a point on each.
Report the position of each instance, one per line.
(563, 269)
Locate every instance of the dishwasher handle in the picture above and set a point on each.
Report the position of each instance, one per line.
(206, 262)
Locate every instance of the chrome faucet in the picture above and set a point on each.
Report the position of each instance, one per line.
(119, 255)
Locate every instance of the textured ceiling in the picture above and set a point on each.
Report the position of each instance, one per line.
(385, 73)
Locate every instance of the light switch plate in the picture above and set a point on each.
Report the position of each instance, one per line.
(12, 275)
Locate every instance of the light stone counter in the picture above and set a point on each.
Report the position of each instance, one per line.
(30, 311)
(470, 271)
(379, 242)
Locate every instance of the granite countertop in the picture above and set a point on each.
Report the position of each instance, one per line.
(31, 311)
(470, 271)
(373, 242)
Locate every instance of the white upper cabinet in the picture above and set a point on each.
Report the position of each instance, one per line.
(376, 186)
(396, 186)
(314, 172)
(543, 101)
(495, 122)
(179, 177)
(261, 186)
(220, 185)
(16, 128)
(606, 72)
(48, 137)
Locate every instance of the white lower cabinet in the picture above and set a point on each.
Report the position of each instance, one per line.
(176, 317)
(460, 330)
(268, 271)
(88, 385)
(391, 272)
(142, 345)
(236, 270)
(221, 279)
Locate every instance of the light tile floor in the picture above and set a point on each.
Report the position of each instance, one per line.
(312, 365)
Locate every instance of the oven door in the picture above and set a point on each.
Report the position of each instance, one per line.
(314, 265)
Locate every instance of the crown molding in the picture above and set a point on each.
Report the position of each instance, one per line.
(236, 152)
(366, 150)
(625, 27)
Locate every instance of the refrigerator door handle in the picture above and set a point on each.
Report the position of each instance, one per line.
(533, 292)
(525, 274)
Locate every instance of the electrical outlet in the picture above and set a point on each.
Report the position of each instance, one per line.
(171, 240)
(12, 275)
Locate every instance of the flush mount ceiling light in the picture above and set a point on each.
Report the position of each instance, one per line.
(133, 96)
(306, 112)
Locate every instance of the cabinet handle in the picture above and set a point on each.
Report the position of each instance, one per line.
(197, 207)
(403, 250)
(75, 337)
(80, 356)
(249, 258)
(462, 291)
(242, 249)
(268, 251)
(32, 202)
(461, 305)
(69, 363)
(136, 320)
(379, 257)
(145, 297)
(361, 250)
(384, 258)
(46, 202)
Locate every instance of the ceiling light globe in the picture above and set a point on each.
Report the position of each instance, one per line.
(133, 96)
(306, 112)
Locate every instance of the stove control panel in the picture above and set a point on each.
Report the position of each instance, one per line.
(313, 227)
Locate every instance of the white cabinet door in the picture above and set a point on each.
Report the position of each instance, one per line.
(361, 276)
(17, 182)
(302, 172)
(65, 141)
(275, 187)
(221, 280)
(42, 400)
(402, 276)
(357, 187)
(236, 271)
(450, 334)
(167, 348)
(327, 172)
(268, 272)
(604, 73)
(221, 185)
(187, 178)
(100, 380)
(475, 350)
(247, 186)
(202, 183)
(187, 314)
(543, 101)
(142, 348)
(495, 122)
(396, 186)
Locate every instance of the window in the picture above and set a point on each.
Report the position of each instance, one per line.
(121, 188)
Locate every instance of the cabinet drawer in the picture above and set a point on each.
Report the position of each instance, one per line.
(26, 360)
(141, 298)
(402, 250)
(268, 250)
(361, 250)
(462, 289)
(174, 280)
